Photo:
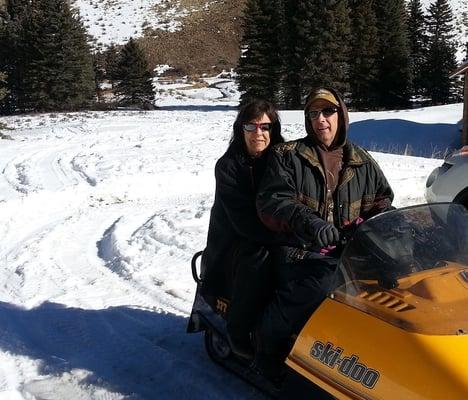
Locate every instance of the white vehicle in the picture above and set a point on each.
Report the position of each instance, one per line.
(449, 182)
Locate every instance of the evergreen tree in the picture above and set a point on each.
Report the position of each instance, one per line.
(364, 62)
(111, 56)
(99, 72)
(3, 43)
(441, 52)
(259, 68)
(78, 67)
(316, 47)
(298, 34)
(394, 69)
(49, 63)
(135, 81)
(3, 86)
(418, 45)
(14, 51)
(332, 46)
(59, 75)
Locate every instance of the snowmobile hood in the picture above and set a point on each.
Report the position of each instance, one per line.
(397, 326)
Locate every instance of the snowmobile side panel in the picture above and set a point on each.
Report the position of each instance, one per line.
(354, 355)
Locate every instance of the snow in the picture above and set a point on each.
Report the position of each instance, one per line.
(116, 21)
(100, 214)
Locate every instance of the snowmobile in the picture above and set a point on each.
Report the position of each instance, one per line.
(395, 326)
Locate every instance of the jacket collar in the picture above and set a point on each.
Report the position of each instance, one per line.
(351, 155)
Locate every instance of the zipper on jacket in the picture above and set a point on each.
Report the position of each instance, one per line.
(329, 206)
(338, 209)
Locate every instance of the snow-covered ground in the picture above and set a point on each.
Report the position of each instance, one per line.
(100, 213)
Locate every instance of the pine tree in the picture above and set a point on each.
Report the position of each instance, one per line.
(394, 69)
(59, 75)
(316, 47)
(441, 52)
(135, 82)
(99, 73)
(111, 56)
(364, 62)
(259, 68)
(298, 35)
(49, 61)
(332, 47)
(3, 86)
(14, 51)
(78, 67)
(3, 75)
(418, 45)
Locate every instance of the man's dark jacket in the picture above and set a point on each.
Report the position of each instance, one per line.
(293, 190)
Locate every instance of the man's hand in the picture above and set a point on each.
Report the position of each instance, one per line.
(320, 232)
(327, 235)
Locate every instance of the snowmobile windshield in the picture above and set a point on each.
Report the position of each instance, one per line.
(409, 267)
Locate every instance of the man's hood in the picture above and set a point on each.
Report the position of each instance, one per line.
(343, 121)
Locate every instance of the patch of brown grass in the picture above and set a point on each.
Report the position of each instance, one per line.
(207, 43)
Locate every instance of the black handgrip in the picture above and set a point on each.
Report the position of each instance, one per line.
(195, 276)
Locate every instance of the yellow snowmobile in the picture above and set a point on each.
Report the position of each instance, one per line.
(396, 326)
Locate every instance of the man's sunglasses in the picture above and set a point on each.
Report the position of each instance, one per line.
(327, 112)
(253, 127)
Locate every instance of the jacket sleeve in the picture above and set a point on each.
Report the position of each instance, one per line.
(383, 192)
(278, 199)
(235, 196)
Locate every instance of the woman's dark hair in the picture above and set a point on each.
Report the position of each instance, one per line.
(251, 111)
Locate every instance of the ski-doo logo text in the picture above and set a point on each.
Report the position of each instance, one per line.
(349, 366)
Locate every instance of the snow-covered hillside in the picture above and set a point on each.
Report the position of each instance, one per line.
(115, 21)
(100, 214)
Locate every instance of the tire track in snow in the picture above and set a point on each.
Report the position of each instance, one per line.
(168, 241)
(52, 254)
(47, 169)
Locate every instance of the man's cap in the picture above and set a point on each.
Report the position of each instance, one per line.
(322, 94)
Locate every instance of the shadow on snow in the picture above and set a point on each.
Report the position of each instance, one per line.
(131, 351)
(203, 108)
(406, 137)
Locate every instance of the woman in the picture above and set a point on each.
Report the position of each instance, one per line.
(234, 262)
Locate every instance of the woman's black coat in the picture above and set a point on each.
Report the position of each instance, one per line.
(233, 220)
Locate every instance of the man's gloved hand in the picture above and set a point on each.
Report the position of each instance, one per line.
(327, 235)
(323, 233)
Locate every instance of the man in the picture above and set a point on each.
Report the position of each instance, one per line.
(311, 188)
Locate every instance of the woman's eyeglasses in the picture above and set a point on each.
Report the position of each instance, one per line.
(265, 127)
(327, 112)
